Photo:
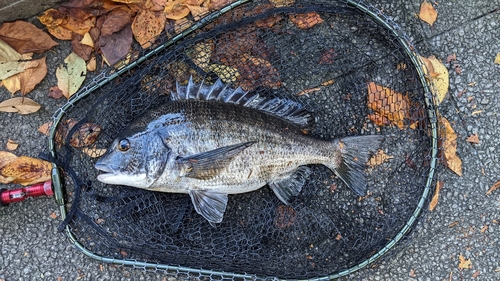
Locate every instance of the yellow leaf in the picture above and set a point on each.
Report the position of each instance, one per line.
(497, 59)
(6, 157)
(26, 170)
(11, 62)
(200, 54)
(94, 152)
(464, 263)
(427, 13)
(435, 197)
(13, 83)
(20, 105)
(71, 76)
(87, 40)
(449, 145)
(11, 145)
(92, 64)
(439, 77)
(227, 74)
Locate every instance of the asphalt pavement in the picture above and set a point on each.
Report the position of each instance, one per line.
(465, 223)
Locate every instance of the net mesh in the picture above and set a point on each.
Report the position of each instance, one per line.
(322, 55)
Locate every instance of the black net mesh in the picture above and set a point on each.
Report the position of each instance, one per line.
(326, 65)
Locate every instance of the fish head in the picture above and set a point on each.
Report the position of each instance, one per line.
(136, 160)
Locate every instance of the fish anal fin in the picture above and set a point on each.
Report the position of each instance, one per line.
(291, 184)
(208, 164)
(210, 204)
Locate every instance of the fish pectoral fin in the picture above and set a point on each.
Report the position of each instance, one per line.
(291, 184)
(210, 204)
(208, 164)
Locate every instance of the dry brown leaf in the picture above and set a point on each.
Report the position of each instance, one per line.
(116, 46)
(79, 26)
(282, 3)
(94, 152)
(53, 20)
(6, 157)
(20, 105)
(389, 106)
(32, 76)
(449, 145)
(427, 13)
(92, 64)
(176, 10)
(55, 92)
(438, 75)
(24, 37)
(435, 197)
(26, 170)
(493, 188)
(197, 11)
(308, 91)
(147, 26)
(80, 49)
(305, 21)
(379, 158)
(84, 136)
(11, 145)
(473, 138)
(201, 53)
(218, 4)
(116, 20)
(464, 263)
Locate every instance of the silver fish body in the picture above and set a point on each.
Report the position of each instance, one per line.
(211, 141)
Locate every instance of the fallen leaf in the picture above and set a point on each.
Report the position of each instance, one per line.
(256, 71)
(80, 49)
(11, 145)
(85, 135)
(94, 152)
(226, 73)
(116, 20)
(6, 157)
(497, 58)
(87, 40)
(32, 76)
(27, 171)
(200, 54)
(44, 128)
(464, 263)
(55, 93)
(79, 26)
(305, 21)
(116, 46)
(449, 146)
(92, 64)
(53, 20)
(439, 77)
(282, 3)
(24, 37)
(476, 274)
(308, 91)
(21, 105)
(493, 188)
(389, 105)
(412, 273)
(451, 58)
(427, 13)
(218, 4)
(198, 12)
(147, 26)
(435, 197)
(71, 75)
(53, 215)
(473, 138)
(176, 10)
(11, 62)
(379, 158)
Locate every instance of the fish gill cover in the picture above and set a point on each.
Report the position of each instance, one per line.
(353, 73)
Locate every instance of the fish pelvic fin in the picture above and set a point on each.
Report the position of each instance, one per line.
(351, 163)
(291, 184)
(210, 204)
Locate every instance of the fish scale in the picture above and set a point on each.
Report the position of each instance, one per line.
(211, 140)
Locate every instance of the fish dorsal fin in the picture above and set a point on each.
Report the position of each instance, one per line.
(286, 109)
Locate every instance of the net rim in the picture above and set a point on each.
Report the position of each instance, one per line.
(102, 79)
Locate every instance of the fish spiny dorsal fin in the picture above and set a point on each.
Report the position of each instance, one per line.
(219, 91)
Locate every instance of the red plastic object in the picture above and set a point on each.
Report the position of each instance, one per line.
(8, 196)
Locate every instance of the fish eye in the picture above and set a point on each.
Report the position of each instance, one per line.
(123, 145)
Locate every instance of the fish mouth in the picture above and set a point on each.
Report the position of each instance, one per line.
(108, 171)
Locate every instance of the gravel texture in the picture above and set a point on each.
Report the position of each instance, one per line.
(465, 222)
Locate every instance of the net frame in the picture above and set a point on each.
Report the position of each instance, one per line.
(106, 77)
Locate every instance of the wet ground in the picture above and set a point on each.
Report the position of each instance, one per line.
(465, 222)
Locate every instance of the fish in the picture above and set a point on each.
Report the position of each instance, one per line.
(211, 140)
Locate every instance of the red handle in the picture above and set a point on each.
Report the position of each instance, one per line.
(17, 195)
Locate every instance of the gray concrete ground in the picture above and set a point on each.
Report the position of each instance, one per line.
(465, 222)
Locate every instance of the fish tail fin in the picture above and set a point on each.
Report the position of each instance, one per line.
(350, 163)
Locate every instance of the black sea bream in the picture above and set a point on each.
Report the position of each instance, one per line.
(211, 140)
